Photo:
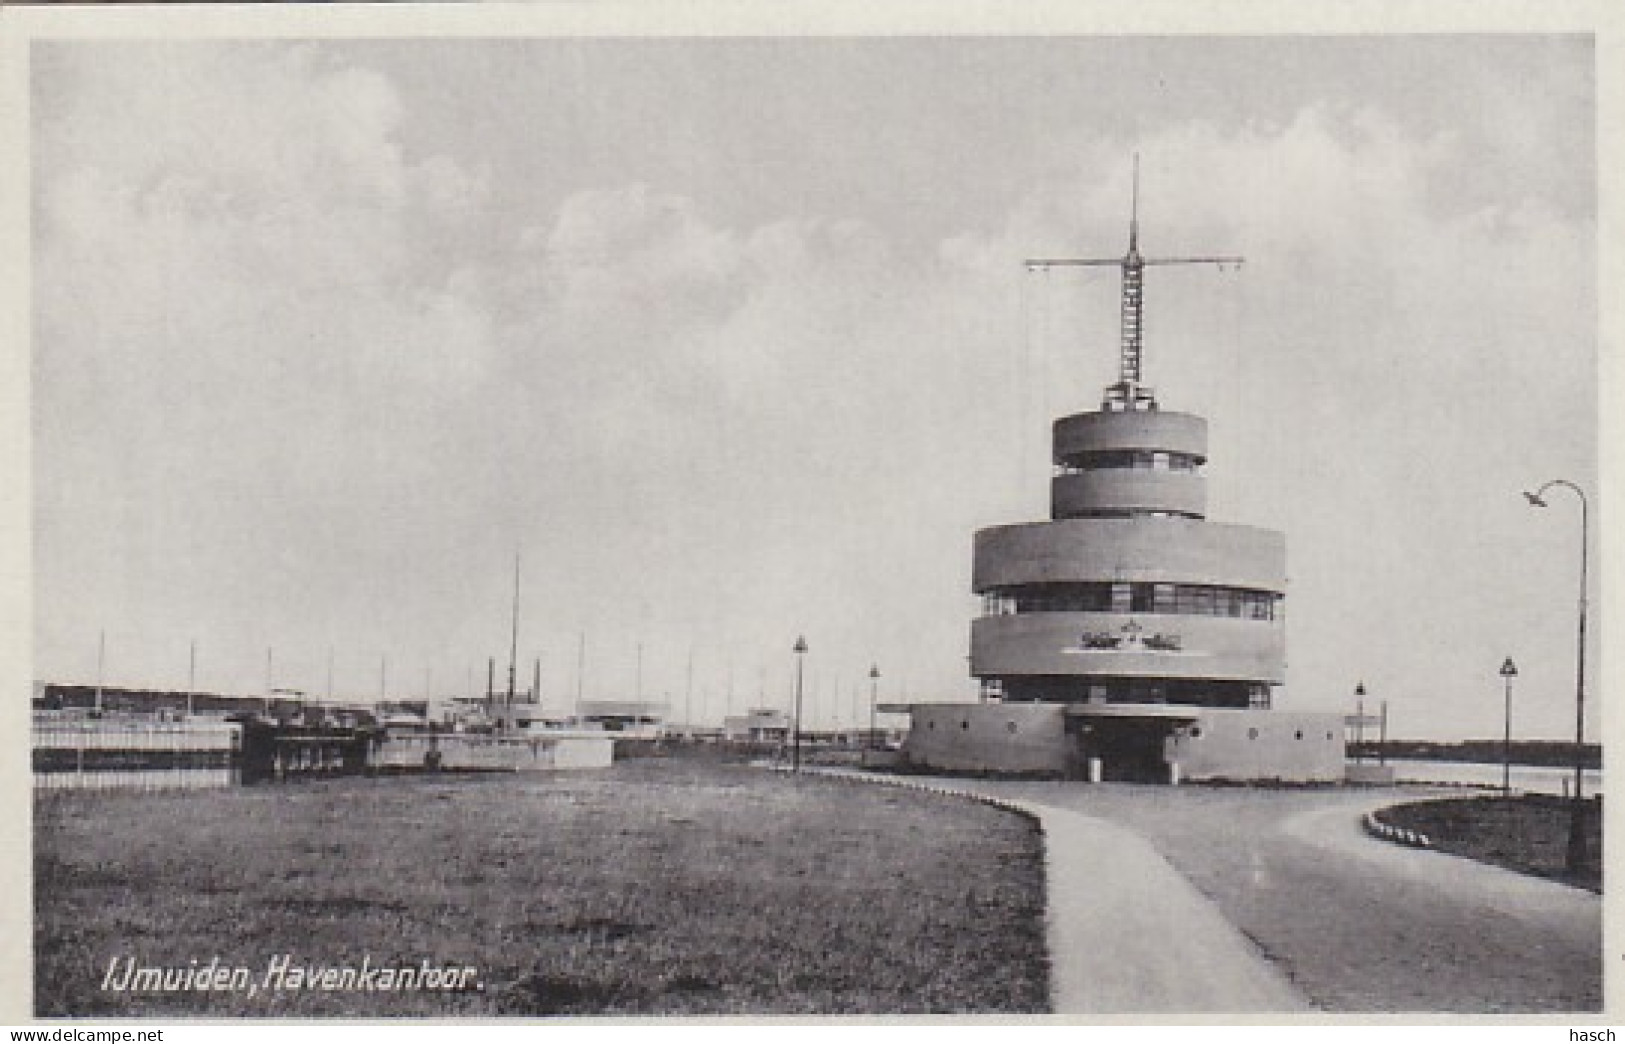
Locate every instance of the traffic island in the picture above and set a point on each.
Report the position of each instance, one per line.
(1528, 833)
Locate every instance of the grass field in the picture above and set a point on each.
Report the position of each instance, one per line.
(655, 887)
(1528, 833)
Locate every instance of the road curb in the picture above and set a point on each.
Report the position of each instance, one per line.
(1388, 832)
(826, 772)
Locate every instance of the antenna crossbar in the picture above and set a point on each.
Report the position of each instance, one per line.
(1128, 393)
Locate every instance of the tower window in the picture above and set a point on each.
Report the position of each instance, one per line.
(1098, 596)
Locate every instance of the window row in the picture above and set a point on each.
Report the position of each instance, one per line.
(1194, 692)
(1122, 597)
(1135, 460)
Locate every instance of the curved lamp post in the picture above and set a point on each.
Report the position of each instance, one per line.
(800, 650)
(1577, 837)
(1509, 671)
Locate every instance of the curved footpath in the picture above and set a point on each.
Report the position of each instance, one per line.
(1193, 900)
(1128, 934)
(1355, 923)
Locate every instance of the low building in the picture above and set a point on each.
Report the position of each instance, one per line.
(759, 725)
(632, 719)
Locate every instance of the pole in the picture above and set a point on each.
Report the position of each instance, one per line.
(513, 637)
(795, 725)
(101, 661)
(1382, 737)
(1577, 832)
(191, 679)
(1506, 738)
(874, 689)
(688, 697)
(1359, 723)
(581, 668)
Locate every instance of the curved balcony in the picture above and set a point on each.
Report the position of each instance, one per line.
(1086, 493)
(1152, 645)
(1154, 550)
(1097, 432)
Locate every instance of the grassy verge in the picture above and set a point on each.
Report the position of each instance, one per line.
(656, 887)
(1528, 833)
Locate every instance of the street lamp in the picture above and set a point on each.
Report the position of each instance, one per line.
(1577, 837)
(1359, 722)
(795, 734)
(1509, 671)
(874, 688)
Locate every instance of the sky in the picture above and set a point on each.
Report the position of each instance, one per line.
(729, 341)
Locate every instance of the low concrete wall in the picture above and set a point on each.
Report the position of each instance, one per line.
(497, 753)
(1240, 745)
(989, 737)
(1368, 774)
(1260, 745)
(583, 752)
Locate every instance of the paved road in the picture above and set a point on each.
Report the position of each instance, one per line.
(1357, 924)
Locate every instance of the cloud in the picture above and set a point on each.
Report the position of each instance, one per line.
(329, 384)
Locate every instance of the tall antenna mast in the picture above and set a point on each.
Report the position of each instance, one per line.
(1128, 393)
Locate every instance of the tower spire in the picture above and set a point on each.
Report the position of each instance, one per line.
(1128, 393)
(1134, 211)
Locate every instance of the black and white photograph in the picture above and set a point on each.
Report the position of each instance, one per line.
(577, 518)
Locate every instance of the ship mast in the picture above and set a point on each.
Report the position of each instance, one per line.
(1129, 393)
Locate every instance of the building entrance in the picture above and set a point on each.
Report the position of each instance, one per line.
(1130, 750)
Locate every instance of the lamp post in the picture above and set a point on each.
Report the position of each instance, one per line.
(1359, 722)
(795, 725)
(874, 689)
(1509, 671)
(1577, 837)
